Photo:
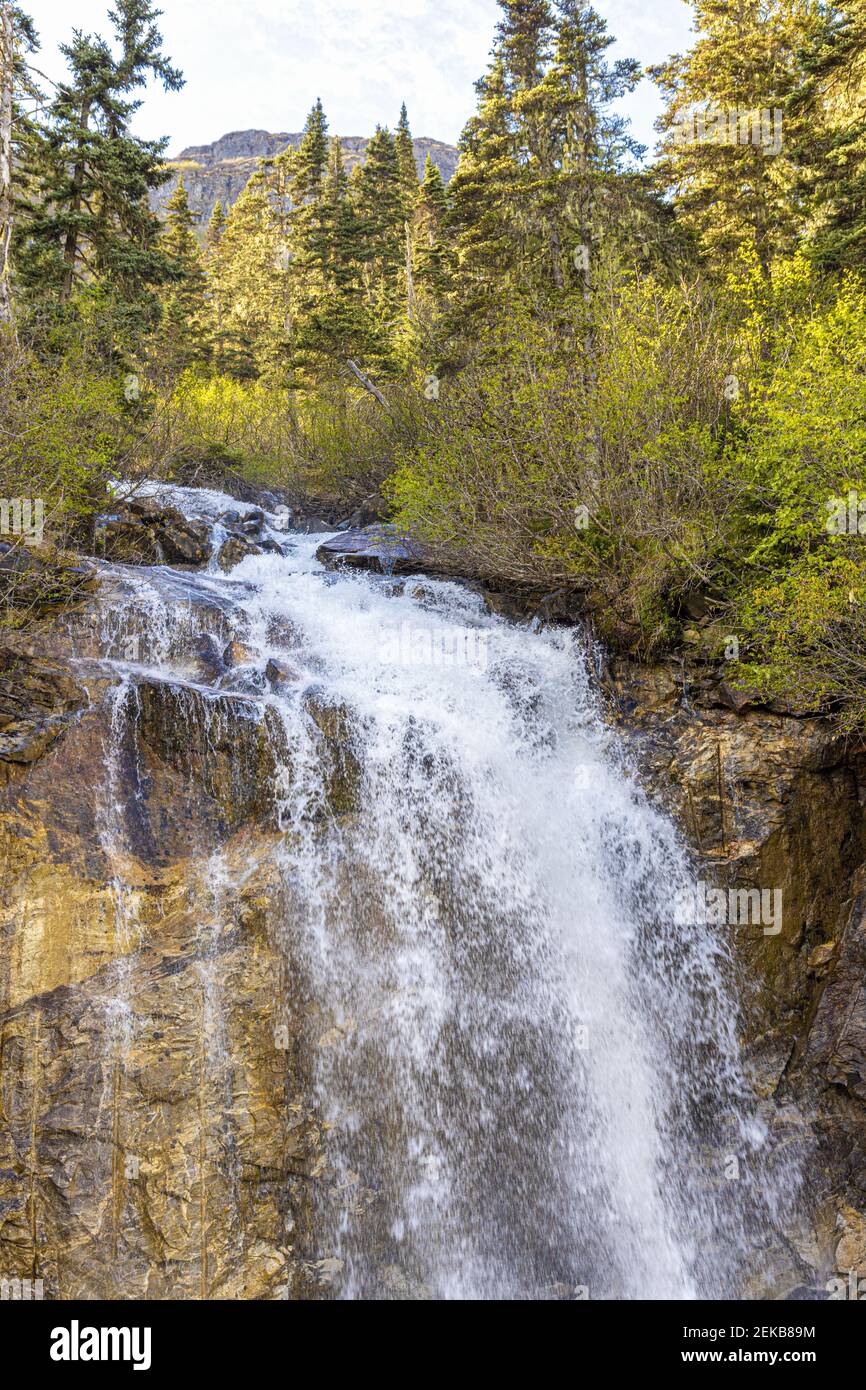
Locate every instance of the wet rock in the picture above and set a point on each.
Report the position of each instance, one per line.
(766, 801)
(211, 660)
(382, 548)
(821, 958)
(851, 1249)
(837, 1040)
(280, 674)
(774, 800)
(236, 654)
(234, 550)
(144, 531)
(341, 766)
(38, 698)
(244, 680)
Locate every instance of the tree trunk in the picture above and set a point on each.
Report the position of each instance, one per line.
(366, 382)
(410, 279)
(7, 65)
(70, 246)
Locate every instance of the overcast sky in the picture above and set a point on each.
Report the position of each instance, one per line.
(260, 64)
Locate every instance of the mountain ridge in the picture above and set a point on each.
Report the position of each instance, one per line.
(219, 171)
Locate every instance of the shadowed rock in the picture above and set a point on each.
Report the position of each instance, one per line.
(382, 548)
(145, 532)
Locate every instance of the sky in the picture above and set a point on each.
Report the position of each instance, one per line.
(260, 64)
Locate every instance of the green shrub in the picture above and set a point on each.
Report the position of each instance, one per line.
(594, 469)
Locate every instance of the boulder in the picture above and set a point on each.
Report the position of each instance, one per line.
(234, 550)
(382, 548)
(38, 699)
(280, 674)
(144, 531)
(236, 654)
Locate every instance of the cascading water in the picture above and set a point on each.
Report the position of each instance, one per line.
(528, 1070)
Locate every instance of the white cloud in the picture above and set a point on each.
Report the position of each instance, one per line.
(262, 63)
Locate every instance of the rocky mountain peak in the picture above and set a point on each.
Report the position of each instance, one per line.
(219, 172)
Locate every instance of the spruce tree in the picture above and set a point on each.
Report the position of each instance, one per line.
(183, 338)
(337, 324)
(378, 199)
(216, 306)
(432, 270)
(581, 193)
(247, 312)
(829, 113)
(90, 222)
(17, 36)
(215, 226)
(733, 178)
(480, 221)
(406, 161)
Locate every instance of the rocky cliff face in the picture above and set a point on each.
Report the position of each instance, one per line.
(776, 800)
(219, 172)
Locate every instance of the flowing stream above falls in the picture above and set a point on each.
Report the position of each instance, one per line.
(527, 1071)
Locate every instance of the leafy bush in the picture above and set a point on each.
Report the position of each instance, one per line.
(336, 442)
(594, 469)
(65, 429)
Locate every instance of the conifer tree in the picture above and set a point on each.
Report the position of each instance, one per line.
(183, 337)
(215, 226)
(480, 220)
(18, 89)
(732, 177)
(431, 254)
(382, 230)
(337, 324)
(247, 313)
(216, 306)
(307, 223)
(406, 161)
(91, 222)
(829, 112)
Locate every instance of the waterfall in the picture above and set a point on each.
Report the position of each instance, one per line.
(527, 1067)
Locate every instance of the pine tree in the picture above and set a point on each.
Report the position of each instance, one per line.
(215, 227)
(7, 103)
(216, 306)
(432, 268)
(582, 190)
(90, 222)
(406, 161)
(306, 186)
(183, 338)
(246, 306)
(337, 324)
(829, 111)
(732, 177)
(18, 38)
(480, 220)
(523, 43)
(377, 194)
